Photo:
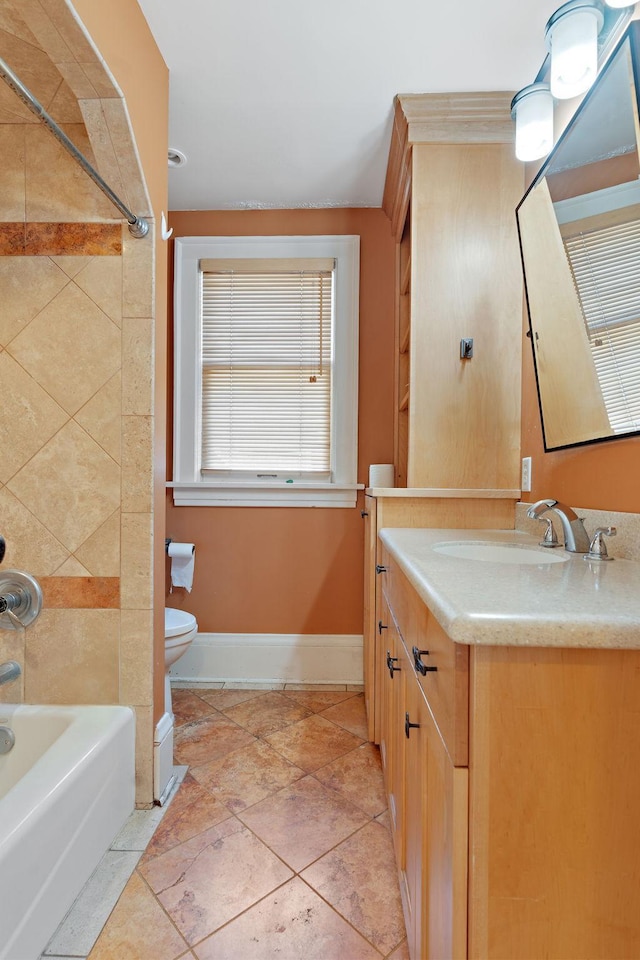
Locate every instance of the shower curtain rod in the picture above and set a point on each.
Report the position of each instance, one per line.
(138, 226)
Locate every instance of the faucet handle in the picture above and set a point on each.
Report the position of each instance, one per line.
(597, 547)
(550, 538)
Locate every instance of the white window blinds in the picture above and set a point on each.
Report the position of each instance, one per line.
(606, 271)
(267, 367)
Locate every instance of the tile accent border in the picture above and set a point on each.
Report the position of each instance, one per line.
(60, 239)
(97, 593)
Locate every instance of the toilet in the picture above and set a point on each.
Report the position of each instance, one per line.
(180, 628)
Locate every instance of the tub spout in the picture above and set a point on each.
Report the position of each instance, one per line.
(10, 670)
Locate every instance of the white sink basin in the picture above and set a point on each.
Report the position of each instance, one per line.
(493, 552)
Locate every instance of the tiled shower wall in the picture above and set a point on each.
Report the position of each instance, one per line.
(76, 380)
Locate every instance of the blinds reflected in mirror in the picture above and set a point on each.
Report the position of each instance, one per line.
(267, 367)
(605, 264)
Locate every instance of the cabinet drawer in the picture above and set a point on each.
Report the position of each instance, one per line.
(446, 687)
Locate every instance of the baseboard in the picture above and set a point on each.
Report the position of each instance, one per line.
(271, 658)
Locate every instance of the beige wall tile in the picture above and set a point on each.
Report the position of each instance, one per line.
(136, 658)
(70, 30)
(71, 265)
(101, 418)
(137, 464)
(30, 546)
(101, 81)
(137, 275)
(32, 66)
(104, 149)
(57, 188)
(43, 30)
(64, 107)
(77, 79)
(72, 657)
(28, 417)
(12, 647)
(71, 348)
(101, 280)
(28, 284)
(137, 367)
(72, 568)
(12, 150)
(12, 22)
(120, 129)
(71, 485)
(144, 755)
(100, 553)
(136, 562)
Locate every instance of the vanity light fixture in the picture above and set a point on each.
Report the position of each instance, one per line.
(532, 110)
(572, 38)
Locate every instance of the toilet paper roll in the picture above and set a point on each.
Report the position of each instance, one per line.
(381, 475)
(183, 558)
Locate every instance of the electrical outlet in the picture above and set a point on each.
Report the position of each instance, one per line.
(525, 481)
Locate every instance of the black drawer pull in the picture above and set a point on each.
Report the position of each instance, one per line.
(363, 514)
(419, 665)
(382, 626)
(390, 664)
(408, 726)
(380, 568)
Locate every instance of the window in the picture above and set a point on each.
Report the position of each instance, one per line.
(600, 259)
(266, 371)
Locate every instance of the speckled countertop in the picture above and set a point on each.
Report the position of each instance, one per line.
(579, 603)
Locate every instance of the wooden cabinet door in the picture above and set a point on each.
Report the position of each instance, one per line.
(391, 728)
(434, 879)
(370, 619)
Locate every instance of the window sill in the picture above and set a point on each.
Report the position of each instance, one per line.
(210, 493)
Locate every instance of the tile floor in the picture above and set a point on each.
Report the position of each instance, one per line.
(276, 843)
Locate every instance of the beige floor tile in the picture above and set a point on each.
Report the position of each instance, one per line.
(264, 715)
(318, 700)
(137, 928)
(291, 924)
(350, 714)
(357, 776)
(188, 706)
(358, 878)
(209, 739)
(227, 697)
(192, 811)
(312, 743)
(303, 821)
(247, 776)
(204, 883)
(401, 952)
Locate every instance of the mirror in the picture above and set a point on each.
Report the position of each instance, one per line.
(579, 226)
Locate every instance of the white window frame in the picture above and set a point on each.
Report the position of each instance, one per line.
(189, 488)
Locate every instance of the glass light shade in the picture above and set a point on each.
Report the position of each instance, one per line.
(532, 108)
(572, 35)
(618, 4)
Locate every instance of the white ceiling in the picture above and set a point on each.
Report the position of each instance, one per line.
(288, 103)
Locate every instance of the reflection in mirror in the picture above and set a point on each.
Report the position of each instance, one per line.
(579, 230)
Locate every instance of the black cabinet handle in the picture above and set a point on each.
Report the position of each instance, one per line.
(363, 514)
(390, 664)
(408, 726)
(382, 626)
(380, 568)
(419, 665)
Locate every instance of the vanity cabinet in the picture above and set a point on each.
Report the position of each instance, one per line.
(514, 801)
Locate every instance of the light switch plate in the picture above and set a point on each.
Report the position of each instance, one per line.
(525, 481)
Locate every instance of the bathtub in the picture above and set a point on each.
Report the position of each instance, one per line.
(66, 789)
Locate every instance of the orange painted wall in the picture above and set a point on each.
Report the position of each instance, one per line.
(122, 35)
(298, 570)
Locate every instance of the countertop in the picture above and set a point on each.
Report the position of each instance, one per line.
(580, 603)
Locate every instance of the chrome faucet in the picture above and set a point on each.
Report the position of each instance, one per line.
(10, 670)
(576, 539)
